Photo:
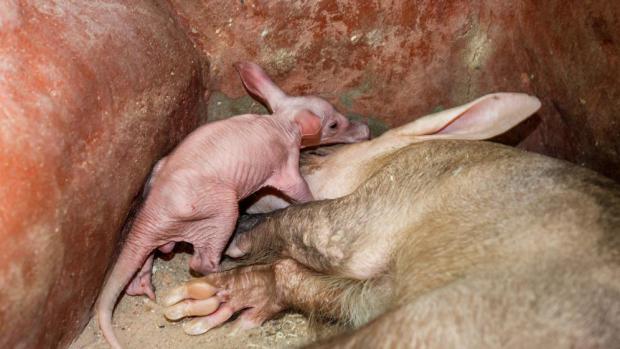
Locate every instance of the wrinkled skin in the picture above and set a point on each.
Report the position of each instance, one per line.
(441, 241)
(193, 193)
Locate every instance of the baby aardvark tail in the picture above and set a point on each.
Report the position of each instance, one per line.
(124, 269)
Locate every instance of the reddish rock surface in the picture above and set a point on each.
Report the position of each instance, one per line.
(91, 93)
(397, 60)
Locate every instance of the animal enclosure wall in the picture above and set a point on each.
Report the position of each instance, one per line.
(93, 92)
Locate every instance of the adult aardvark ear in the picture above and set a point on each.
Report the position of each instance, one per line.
(309, 127)
(258, 83)
(483, 118)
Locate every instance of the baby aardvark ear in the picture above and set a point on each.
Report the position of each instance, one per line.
(484, 118)
(259, 84)
(309, 127)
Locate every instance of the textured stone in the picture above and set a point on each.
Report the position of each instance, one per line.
(91, 94)
(398, 60)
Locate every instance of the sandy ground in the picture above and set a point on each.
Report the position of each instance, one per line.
(139, 323)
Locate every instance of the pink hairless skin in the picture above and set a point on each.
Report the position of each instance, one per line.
(193, 193)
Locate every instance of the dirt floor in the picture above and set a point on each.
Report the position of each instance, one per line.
(139, 323)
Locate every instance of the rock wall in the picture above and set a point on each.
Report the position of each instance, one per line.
(397, 60)
(91, 94)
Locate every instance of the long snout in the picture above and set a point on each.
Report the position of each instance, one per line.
(355, 131)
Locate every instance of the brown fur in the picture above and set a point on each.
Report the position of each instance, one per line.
(455, 244)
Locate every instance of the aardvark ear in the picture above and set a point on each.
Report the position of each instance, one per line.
(309, 127)
(260, 85)
(483, 118)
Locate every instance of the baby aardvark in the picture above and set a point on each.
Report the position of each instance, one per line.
(194, 192)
